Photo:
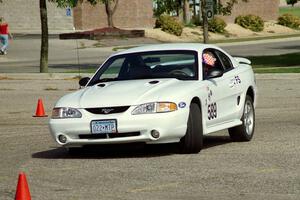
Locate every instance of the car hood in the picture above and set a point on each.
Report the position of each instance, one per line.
(121, 93)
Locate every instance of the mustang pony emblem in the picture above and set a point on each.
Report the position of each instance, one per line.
(106, 110)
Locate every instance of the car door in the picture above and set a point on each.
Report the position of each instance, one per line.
(232, 87)
(219, 100)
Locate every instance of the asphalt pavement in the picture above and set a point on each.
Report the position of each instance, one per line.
(76, 55)
(265, 168)
(263, 47)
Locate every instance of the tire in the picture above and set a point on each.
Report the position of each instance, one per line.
(192, 142)
(245, 131)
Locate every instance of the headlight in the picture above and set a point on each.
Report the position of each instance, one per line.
(58, 113)
(156, 107)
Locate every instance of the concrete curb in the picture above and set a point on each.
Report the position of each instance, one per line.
(42, 76)
(264, 41)
(282, 76)
(28, 34)
(69, 76)
(33, 36)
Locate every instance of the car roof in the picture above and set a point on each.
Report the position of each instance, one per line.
(168, 46)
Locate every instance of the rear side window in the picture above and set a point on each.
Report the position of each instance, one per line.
(225, 60)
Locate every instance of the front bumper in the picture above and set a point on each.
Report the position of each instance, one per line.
(171, 126)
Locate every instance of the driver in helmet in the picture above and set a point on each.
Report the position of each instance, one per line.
(209, 61)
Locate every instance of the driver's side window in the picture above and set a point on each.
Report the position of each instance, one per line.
(210, 61)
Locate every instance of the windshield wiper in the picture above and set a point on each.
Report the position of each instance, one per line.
(106, 80)
(103, 80)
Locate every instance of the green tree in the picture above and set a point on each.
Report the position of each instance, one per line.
(166, 7)
(223, 9)
(110, 7)
(291, 2)
(173, 6)
(169, 6)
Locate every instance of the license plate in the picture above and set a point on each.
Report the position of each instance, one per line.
(104, 126)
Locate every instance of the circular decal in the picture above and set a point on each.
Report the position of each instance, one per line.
(182, 105)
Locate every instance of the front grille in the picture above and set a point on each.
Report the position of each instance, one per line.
(107, 110)
(109, 135)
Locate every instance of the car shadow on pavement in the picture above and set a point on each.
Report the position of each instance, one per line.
(213, 141)
(125, 150)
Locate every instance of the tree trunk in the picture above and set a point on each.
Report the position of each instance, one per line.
(186, 11)
(110, 21)
(194, 9)
(205, 22)
(44, 39)
(110, 10)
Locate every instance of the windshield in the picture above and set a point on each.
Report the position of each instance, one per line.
(182, 65)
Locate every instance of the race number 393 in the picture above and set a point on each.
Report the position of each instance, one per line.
(212, 111)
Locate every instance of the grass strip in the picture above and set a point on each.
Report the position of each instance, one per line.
(291, 10)
(257, 38)
(269, 70)
(284, 60)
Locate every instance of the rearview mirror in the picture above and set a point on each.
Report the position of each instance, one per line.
(214, 73)
(84, 81)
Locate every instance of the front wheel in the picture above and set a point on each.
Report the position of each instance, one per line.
(192, 142)
(245, 131)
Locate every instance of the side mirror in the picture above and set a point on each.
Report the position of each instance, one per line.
(84, 81)
(214, 73)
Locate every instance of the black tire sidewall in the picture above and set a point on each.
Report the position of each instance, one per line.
(192, 142)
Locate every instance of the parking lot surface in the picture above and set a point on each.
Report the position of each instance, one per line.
(268, 167)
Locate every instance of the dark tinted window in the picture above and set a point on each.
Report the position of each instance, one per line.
(225, 60)
(210, 61)
(181, 65)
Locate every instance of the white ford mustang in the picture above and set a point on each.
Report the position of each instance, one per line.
(163, 93)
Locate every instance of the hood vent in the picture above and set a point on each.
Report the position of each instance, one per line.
(101, 85)
(153, 82)
(107, 110)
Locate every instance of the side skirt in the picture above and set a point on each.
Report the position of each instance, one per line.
(222, 126)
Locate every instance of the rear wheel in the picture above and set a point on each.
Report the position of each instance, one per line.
(244, 132)
(192, 142)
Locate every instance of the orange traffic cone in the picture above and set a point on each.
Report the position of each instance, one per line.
(40, 112)
(22, 192)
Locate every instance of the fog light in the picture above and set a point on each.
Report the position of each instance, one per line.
(62, 138)
(155, 134)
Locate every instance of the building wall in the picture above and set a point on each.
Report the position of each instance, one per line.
(267, 9)
(129, 14)
(25, 15)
